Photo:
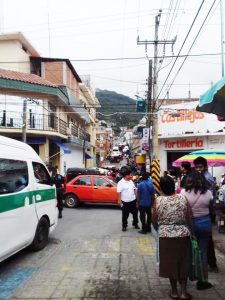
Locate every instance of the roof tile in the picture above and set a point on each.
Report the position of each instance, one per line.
(25, 77)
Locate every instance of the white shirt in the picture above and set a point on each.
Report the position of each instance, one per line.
(127, 190)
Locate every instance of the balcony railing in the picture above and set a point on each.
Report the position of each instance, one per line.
(41, 122)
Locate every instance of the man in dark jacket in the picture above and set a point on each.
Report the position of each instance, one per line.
(185, 170)
(59, 181)
(145, 196)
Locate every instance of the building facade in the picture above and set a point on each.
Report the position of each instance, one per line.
(54, 100)
(182, 130)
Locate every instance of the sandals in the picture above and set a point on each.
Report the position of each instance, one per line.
(188, 297)
(173, 297)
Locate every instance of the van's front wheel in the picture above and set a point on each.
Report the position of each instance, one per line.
(41, 235)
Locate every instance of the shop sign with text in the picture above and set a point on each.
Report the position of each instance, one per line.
(182, 115)
(145, 139)
(184, 143)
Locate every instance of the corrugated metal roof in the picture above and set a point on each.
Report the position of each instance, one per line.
(25, 77)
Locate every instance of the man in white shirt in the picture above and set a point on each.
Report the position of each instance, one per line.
(127, 197)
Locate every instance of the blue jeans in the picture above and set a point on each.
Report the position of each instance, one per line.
(202, 227)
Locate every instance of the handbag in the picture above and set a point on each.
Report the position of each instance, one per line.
(195, 265)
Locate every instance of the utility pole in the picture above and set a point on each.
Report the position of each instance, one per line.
(154, 101)
(24, 125)
(149, 111)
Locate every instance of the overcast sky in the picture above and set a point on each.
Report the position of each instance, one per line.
(97, 29)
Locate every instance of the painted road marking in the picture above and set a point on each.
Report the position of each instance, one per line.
(113, 245)
(12, 280)
(144, 246)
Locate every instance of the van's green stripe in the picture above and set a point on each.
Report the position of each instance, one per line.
(45, 194)
(13, 201)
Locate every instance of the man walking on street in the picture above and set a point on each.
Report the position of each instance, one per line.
(127, 197)
(145, 195)
(201, 166)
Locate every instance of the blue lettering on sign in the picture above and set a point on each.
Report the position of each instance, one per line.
(12, 280)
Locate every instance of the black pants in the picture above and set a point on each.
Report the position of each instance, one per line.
(145, 213)
(129, 207)
(59, 198)
(211, 257)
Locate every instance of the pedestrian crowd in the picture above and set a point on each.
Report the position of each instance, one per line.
(182, 216)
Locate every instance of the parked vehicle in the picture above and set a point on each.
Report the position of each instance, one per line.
(115, 155)
(28, 211)
(91, 189)
(74, 172)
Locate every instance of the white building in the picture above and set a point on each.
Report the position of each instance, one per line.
(182, 129)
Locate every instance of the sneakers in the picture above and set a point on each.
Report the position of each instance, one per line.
(203, 285)
(124, 229)
(60, 215)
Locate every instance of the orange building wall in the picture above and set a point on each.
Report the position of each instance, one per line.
(54, 72)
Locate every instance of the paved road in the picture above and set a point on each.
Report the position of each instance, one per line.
(89, 257)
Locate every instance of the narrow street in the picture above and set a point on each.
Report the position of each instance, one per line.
(89, 257)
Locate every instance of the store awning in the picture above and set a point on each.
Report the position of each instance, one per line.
(88, 156)
(213, 100)
(64, 147)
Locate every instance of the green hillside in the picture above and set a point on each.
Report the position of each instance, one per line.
(112, 103)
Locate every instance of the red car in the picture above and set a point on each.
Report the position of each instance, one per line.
(91, 189)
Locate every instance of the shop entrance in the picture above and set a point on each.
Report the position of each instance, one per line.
(172, 156)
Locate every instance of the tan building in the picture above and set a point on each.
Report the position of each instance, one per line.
(64, 106)
(104, 138)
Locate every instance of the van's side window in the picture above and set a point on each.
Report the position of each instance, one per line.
(13, 175)
(41, 174)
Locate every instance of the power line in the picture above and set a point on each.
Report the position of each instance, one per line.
(200, 29)
(186, 37)
(125, 58)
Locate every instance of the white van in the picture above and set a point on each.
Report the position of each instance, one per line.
(28, 211)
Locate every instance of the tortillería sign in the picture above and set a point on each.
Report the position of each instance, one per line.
(184, 143)
(182, 115)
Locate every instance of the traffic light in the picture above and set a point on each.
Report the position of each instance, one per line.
(141, 105)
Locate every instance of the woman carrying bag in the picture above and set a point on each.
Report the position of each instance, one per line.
(199, 197)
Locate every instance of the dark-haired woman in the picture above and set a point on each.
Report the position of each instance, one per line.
(171, 213)
(199, 197)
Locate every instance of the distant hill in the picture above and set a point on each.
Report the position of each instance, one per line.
(112, 102)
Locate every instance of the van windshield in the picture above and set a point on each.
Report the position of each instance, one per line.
(13, 175)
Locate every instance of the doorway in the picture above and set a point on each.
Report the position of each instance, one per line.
(172, 156)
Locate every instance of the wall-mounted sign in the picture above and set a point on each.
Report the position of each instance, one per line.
(145, 139)
(190, 115)
(216, 141)
(184, 143)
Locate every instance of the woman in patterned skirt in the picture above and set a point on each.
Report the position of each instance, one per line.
(172, 215)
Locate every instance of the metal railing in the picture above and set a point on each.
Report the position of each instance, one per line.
(9, 119)
(42, 122)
